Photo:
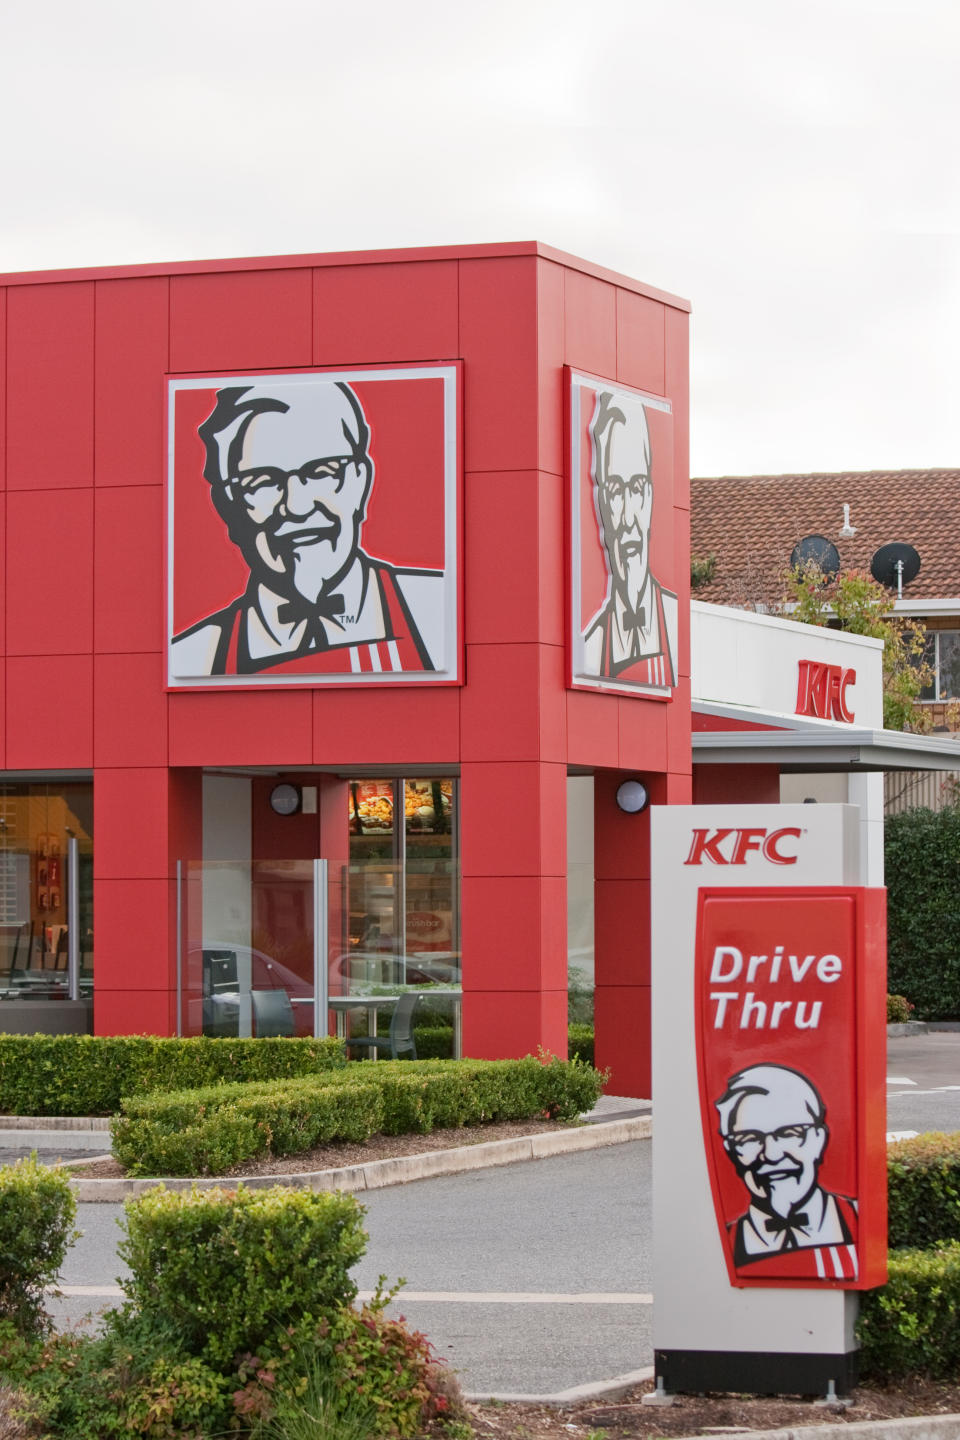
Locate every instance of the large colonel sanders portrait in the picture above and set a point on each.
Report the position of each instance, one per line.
(312, 528)
(624, 618)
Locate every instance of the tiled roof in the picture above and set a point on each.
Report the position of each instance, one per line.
(752, 522)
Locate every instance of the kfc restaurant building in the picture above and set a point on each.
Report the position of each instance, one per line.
(342, 594)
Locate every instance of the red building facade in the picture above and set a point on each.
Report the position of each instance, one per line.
(87, 360)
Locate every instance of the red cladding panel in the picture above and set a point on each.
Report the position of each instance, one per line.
(249, 320)
(513, 708)
(50, 712)
(517, 819)
(514, 932)
(50, 572)
(640, 342)
(49, 384)
(677, 338)
(643, 733)
(681, 545)
(135, 922)
(495, 1031)
(402, 727)
(128, 586)
(679, 789)
(266, 727)
(679, 750)
(590, 323)
(129, 711)
(621, 842)
(593, 729)
(132, 807)
(514, 566)
(376, 314)
(3, 551)
(498, 342)
(622, 1018)
(736, 785)
(134, 1012)
(550, 285)
(622, 932)
(132, 324)
(3, 388)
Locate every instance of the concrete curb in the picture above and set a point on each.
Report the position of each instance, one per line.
(54, 1122)
(593, 1390)
(377, 1174)
(908, 1427)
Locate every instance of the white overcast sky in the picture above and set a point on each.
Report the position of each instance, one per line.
(789, 166)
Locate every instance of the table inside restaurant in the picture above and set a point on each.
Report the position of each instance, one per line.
(341, 1005)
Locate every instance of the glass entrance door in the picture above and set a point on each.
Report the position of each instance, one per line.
(252, 948)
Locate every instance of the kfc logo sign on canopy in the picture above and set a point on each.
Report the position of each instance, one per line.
(731, 847)
(776, 978)
(822, 691)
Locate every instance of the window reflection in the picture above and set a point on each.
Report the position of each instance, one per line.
(37, 822)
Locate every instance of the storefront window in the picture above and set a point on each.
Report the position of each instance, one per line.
(402, 887)
(46, 857)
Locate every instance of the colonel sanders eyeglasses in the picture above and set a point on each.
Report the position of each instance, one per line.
(747, 1145)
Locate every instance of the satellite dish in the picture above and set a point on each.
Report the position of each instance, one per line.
(895, 565)
(816, 550)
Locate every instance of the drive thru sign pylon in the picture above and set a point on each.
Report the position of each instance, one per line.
(769, 1038)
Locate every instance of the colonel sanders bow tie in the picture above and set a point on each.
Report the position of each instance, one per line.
(635, 619)
(293, 612)
(787, 1225)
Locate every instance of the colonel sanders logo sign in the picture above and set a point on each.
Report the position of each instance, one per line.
(777, 986)
(623, 616)
(312, 528)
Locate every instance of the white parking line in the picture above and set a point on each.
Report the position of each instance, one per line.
(452, 1297)
(899, 1080)
(518, 1297)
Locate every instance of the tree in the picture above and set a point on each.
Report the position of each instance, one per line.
(856, 603)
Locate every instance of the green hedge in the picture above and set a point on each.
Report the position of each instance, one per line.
(580, 1043)
(923, 1188)
(238, 1321)
(209, 1130)
(912, 1325)
(87, 1074)
(229, 1268)
(37, 1210)
(922, 864)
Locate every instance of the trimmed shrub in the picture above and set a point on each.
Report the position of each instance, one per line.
(912, 1325)
(37, 1210)
(922, 864)
(899, 1010)
(923, 1189)
(210, 1130)
(580, 1043)
(228, 1269)
(87, 1074)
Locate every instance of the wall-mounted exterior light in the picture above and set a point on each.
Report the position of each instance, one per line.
(632, 797)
